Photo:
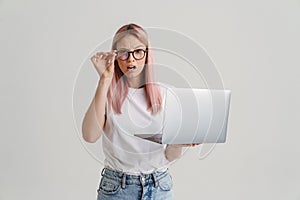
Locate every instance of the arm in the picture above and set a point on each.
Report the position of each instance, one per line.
(93, 121)
(173, 151)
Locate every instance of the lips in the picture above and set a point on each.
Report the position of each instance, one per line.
(131, 67)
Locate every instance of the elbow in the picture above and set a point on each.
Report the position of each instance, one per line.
(172, 158)
(172, 152)
(90, 136)
(91, 130)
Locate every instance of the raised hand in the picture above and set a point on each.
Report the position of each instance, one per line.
(104, 63)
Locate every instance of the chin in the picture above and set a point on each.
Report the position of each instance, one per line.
(132, 75)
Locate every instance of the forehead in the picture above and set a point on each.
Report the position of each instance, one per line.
(129, 42)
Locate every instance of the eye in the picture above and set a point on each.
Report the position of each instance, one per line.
(140, 50)
(122, 52)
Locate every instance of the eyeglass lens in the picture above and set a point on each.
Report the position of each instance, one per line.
(137, 54)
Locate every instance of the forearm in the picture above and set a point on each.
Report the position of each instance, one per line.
(94, 119)
(173, 152)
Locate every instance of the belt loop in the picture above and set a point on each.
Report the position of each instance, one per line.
(102, 172)
(155, 180)
(123, 180)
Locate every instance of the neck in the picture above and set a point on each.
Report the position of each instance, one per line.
(135, 82)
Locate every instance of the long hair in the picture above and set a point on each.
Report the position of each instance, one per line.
(118, 89)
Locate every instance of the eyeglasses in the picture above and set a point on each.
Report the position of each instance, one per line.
(138, 54)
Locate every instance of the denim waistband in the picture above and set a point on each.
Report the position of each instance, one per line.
(130, 179)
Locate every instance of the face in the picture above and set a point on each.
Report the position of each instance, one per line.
(132, 67)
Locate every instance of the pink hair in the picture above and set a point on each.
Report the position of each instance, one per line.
(119, 87)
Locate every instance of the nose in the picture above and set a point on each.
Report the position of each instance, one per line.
(130, 58)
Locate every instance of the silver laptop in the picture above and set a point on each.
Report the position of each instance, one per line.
(193, 116)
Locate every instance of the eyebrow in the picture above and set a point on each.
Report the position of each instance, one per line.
(134, 47)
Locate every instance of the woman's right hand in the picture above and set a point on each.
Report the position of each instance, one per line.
(104, 63)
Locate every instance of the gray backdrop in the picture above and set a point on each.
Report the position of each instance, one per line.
(255, 45)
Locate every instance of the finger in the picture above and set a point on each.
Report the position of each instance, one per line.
(110, 68)
(108, 55)
(94, 59)
(111, 54)
(99, 56)
(99, 53)
(109, 61)
(114, 53)
(105, 56)
(185, 145)
(110, 58)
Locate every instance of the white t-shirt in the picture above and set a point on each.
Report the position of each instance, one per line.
(125, 152)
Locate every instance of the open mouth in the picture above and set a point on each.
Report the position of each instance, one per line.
(131, 67)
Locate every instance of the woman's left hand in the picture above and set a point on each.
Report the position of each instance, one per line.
(184, 145)
(173, 151)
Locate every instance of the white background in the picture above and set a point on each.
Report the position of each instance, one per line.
(255, 45)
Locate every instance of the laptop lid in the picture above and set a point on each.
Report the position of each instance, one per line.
(195, 116)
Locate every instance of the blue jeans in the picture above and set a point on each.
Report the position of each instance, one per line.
(121, 186)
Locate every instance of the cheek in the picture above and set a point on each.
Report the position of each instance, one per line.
(122, 65)
(141, 63)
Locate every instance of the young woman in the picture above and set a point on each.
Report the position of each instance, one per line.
(128, 101)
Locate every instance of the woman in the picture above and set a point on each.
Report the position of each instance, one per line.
(126, 99)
